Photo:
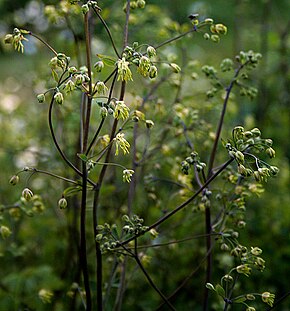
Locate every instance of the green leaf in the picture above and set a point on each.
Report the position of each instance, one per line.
(220, 291)
(83, 157)
(54, 75)
(71, 191)
(108, 60)
(240, 299)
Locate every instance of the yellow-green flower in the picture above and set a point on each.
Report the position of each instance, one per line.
(101, 88)
(124, 72)
(45, 295)
(244, 269)
(121, 143)
(127, 174)
(121, 110)
(268, 298)
(144, 66)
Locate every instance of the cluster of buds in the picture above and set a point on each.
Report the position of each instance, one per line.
(250, 59)
(138, 4)
(193, 159)
(16, 39)
(107, 237)
(134, 225)
(242, 147)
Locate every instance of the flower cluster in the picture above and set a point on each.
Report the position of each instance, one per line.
(244, 148)
(16, 39)
(134, 225)
(121, 110)
(122, 143)
(193, 159)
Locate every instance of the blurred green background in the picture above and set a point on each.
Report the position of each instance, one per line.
(35, 256)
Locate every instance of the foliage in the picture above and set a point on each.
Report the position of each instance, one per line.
(144, 174)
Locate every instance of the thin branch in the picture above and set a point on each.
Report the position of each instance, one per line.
(44, 42)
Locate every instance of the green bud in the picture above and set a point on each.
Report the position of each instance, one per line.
(58, 97)
(99, 66)
(85, 8)
(149, 124)
(274, 170)
(126, 218)
(256, 132)
(242, 170)
(133, 5)
(250, 297)
(72, 70)
(103, 112)
(271, 152)
(239, 157)
(257, 176)
(209, 286)
(14, 180)
(62, 203)
(227, 278)
(241, 224)
(175, 67)
(151, 52)
(141, 4)
(152, 72)
(226, 64)
(99, 237)
(69, 86)
(208, 21)
(5, 232)
(27, 194)
(206, 36)
(8, 39)
(215, 38)
(221, 29)
(79, 79)
(41, 98)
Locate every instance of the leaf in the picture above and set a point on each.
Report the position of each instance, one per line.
(240, 299)
(220, 291)
(108, 60)
(54, 75)
(83, 157)
(71, 191)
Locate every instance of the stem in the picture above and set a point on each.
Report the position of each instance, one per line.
(108, 31)
(136, 257)
(44, 42)
(83, 247)
(184, 204)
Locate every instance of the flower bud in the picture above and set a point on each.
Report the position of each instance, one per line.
(45, 295)
(69, 86)
(151, 52)
(209, 286)
(227, 278)
(141, 4)
(208, 21)
(175, 67)
(149, 124)
(8, 39)
(85, 8)
(239, 157)
(41, 98)
(152, 72)
(103, 112)
(221, 29)
(133, 5)
(58, 97)
(206, 36)
(79, 79)
(72, 70)
(99, 66)
(27, 194)
(250, 297)
(271, 152)
(101, 87)
(14, 180)
(215, 38)
(274, 170)
(256, 132)
(5, 232)
(62, 203)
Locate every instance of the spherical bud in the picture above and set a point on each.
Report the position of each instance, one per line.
(274, 170)
(133, 5)
(8, 39)
(14, 180)
(151, 52)
(72, 70)
(103, 112)
(221, 29)
(149, 124)
(241, 224)
(62, 203)
(27, 194)
(271, 152)
(41, 98)
(224, 247)
(206, 36)
(239, 156)
(154, 233)
(79, 79)
(152, 72)
(227, 278)
(256, 251)
(85, 9)
(5, 232)
(175, 68)
(141, 4)
(99, 66)
(58, 97)
(235, 234)
(215, 38)
(256, 132)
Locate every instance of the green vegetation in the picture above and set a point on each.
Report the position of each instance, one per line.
(144, 155)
